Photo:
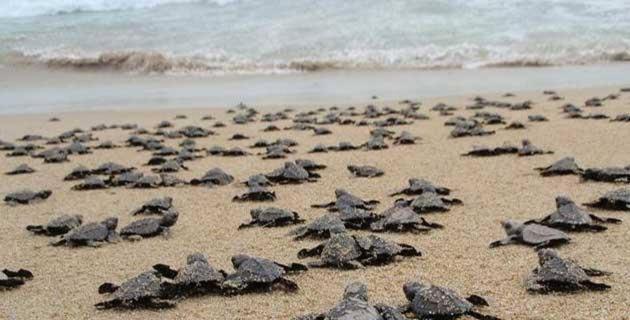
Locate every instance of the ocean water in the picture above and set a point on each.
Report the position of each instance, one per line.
(218, 37)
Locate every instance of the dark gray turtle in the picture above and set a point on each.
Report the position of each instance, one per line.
(531, 234)
(21, 169)
(91, 183)
(345, 251)
(150, 227)
(125, 179)
(107, 145)
(78, 148)
(428, 202)
(469, 129)
(54, 155)
(309, 165)
(197, 277)
(13, 279)
(611, 174)
(365, 171)
(321, 131)
(405, 137)
(356, 218)
(78, 173)
(258, 180)
(146, 182)
(346, 199)
(26, 197)
(420, 186)
(402, 219)
(291, 173)
(111, 168)
(256, 193)
(555, 274)
(569, 217)
(528, 149)
(564, 166)
(214, 177)
(322, 227)
(31, 137)
(276, 152)
(165, 151)
(155, 206)
(19, 151)
(515, 125)
(238, 136)
(354, 305)
(164, 124)
(613, 200)
(483, 151)
(344, 146)
(272, 217)
(57, 226)
(170, 166)
(319, 148)
(254, 274)
(91, 234)
(195, 132)
(624, 117)
(434, 302)
(375, 143)
(142, 291)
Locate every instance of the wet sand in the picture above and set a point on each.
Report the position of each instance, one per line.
(492, 189)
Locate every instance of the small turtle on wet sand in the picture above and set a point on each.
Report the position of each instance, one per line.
(354, 305)
(569, 217)
(155, 206)
(429, 202)
(91, 234)
(564, 166)
(402, 219)
(256, 193)
(272, 217)
(142, 291)
(611, 174)
(613, 200)
(26, 197)
(531, 234)
(420, 186)
(346, 199)
(365, 171)
(214, 177)
(433, 302)
(150, 227)
(13, 279)
(78, 173)
(291, 173)
(197, 277)
(345, 251)
(21, 169)
(322, 227)
(555, 274)
(254, 274)
(57, 226)
(91, 183)
(528, 149)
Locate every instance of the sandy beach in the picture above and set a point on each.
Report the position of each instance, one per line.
(492, 189)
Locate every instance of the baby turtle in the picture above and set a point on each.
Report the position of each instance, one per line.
(125, 179)
(343, 146)
(537, 118)
(613, 200)
(214, 177)
(569, 217)
(107, 145)
(146, 182)
(402, 219)
(78, 173)
(528, 149)
(469, 129)
(142, 291)
(13, 279)
(258, 180)
(26, 197)
(564, 166)
(155, 206)
(515, 125)
(322, 227)
(611, 174)
(375, 143)
(365, 171)
(354, 305)
(256, 193)
(150, 227)
(111, 168)
(319, 148)
(272, 217)
(21, 169)
(309, 165)
(483, 151)
(420, 186)
(254, 274)
(405, 137)
(57, 226)
(555, 274)
(91, 183)
(170, 166)
(346, 199)
(428, 301)
(291, 173)
(531, 234)
(197, 277)
(345, 251)
(428, 202)
(91, 234)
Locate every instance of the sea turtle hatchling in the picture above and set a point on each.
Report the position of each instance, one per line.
(530, 234)
(345, 251)
(197, 277)
(80, 172)
(254, 274)
(613, 200)
(405, 137)
(150, 227)
(90, 234)
(402, 219)
(346, 199)
(291, 173)
(258, 180)
(57, 226)
(142, 291)
(21, 169)
(111, 168)
(528, 149)
(420, 186)
(13, 279)
(555, 274)
(214, 177)
(272, 217)
(428, 301)
(155, 206)
(564, 166)
(483, 151)
(322, 227)
(26, 197)
(610, 174)
(428, 202)
(91, 183)
(256, 193)
(365, 171)
(570, 217)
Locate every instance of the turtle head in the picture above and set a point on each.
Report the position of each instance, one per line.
(79, 218)
(526, 142)
(545, 255)
(111, 223)
(412, 288)
(169, 218)
(255, 213)
(340, 192)
(238, 259)
(351, 167)
(563, 201)
(511, 227)
(196, 257)
(356, 290)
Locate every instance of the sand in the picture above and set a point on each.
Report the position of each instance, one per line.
(492, 189)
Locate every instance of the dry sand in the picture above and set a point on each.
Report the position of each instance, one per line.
(492, 189)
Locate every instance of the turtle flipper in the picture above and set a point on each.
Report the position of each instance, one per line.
(316, 251)
(477, 300)
(409, 251)
(596, 273)
(595, 286)
(294, 267)
(165, 271)
(503, 242)
(36, 229)
(246, 225)
(480, 316)
(110, 304)
(605, 220)
(323, 205)
(431, 224)
(22, 273)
